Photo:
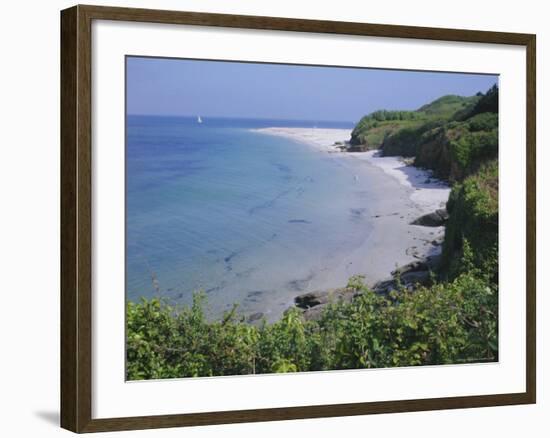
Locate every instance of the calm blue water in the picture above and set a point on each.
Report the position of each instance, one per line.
(247, 217)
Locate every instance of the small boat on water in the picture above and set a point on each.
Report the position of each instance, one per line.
(199, 120)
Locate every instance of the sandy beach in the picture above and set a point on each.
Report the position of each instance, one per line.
(429, 193)
(398, 194)
(321, 138)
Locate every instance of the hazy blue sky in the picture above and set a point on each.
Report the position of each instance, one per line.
(232, 89)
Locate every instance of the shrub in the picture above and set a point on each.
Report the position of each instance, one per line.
(473, 216)
(483, 122)
(471, 149)
(448, 322)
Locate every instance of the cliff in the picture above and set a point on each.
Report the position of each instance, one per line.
(457, 138)
(452, 135)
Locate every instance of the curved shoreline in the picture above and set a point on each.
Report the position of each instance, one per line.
(430, 193)
(406, 193)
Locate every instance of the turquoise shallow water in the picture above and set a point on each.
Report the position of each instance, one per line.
(247, 217)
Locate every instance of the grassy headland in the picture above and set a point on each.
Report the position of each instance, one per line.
(450, 318)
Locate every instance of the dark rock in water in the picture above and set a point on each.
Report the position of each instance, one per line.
(438, 241)
(299, 221)
(316, 298)
(435, 219)
(255, 317)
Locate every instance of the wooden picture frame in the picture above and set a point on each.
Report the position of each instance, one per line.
(76, 218)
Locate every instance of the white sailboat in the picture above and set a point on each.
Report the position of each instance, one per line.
(199, 120)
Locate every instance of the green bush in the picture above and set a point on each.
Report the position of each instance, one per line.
(452, 135)
(449, 322)
(374, 128)
(447, 106)
(455, 320)
(483, 122)
(471, 149)
(407, 140)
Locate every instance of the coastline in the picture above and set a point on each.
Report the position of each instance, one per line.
(320, 138)
(429, 193)
(408, 193)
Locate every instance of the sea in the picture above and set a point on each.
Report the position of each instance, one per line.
(247, 218)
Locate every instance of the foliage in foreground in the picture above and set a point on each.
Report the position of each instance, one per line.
(451, 322)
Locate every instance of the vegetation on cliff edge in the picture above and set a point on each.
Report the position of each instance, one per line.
(452, 135)
(373, 129)
(449, 322)
(454, 320)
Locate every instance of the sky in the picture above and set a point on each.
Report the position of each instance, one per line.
(157, 86)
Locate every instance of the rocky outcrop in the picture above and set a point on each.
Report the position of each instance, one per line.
(313, 303)
(409, 281)
(317, 298)
(427, 264)
(437, 218)
(409, 276)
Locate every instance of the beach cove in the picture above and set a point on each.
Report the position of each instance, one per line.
(257, 215)
(401, 194)
(289, 218)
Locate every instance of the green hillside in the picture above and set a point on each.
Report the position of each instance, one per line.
(452, 135)
(373, 129)
(452, 319)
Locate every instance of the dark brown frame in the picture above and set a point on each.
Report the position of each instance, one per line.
(76, 236)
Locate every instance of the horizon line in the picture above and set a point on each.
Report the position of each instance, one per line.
(238, 117)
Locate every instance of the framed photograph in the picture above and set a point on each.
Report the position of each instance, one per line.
(270, 218)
